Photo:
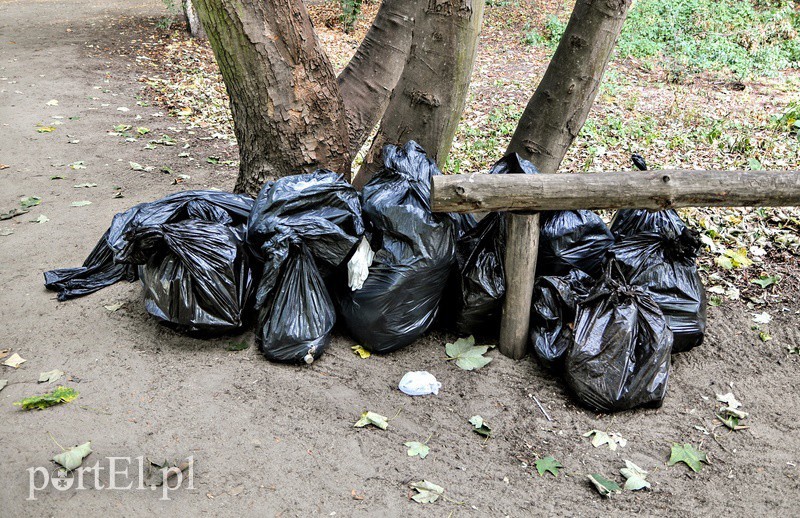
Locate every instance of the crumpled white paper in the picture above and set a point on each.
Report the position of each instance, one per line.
(358, 265)
(419, 383)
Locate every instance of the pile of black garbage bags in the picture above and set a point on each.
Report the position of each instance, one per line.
(609, 305)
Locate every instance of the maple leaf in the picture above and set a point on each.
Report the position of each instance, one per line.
(688, 455)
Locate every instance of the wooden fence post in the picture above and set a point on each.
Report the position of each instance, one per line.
(522, 247)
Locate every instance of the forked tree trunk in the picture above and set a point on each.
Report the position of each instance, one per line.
(287, 111)
(193, 22)
(372, 73)
(558, 108)
(427, 102)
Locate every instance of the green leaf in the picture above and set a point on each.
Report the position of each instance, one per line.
(479, 426)
(754, 164)
(50, 376)
(41, 128)
(56, 397)
(611, 439)
(82, 203)
(29, 201)
(237, 346)
(547, 464)
(634, 477)
(136, 166)
(213, 160)
(141, 130)
(765, 281)
(467, 355)
(688, 455)
(764, 336)
(604, 486)
(427, 492)
(371, 418)
(363, 353)
(714, 301)
(73, 457)
(121, 128)
(417, 448)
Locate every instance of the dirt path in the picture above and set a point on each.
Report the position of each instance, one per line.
(278, 440)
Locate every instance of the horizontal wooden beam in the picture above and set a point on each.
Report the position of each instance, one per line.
(615, 190)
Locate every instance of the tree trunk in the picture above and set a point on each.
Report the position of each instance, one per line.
(371, 75)
(553, 118)
(193, 21)
(556, 112)
(427, 102)
(287, 111)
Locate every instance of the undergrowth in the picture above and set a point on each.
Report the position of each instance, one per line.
(692, 36)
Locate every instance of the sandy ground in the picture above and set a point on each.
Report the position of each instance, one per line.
(278, 440)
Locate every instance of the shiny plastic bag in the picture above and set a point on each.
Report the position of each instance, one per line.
(555, 300)
(620, 355)
(414, 253)
(480, 253)
(98, 271)
(193, 265)
(302, 227)
(203, 281)
(295, 324)
(628, 222)
(572, 239)
(664, 262)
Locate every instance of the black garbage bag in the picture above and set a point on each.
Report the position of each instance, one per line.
(295, 323)
(664, 262)
(98, 271)
(572, 239)
(190, 250)
(480, 275)
(414, 253)
(555, 300)
(627, 222)
(620, 355)
(303, 228)
(202, 280)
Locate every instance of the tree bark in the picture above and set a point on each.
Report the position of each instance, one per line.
(287, 111)
(522, 244)
(654, 190)
(427, 102)
(193, 22)
(372, 73)
(558, 108)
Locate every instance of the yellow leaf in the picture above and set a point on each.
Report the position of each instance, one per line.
(357, 349)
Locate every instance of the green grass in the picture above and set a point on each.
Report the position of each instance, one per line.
(691, 36)
(713, 35)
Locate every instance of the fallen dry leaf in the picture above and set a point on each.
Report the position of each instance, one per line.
(15, 360)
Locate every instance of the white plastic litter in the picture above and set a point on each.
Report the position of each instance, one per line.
(419, 383)
(358, 265)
